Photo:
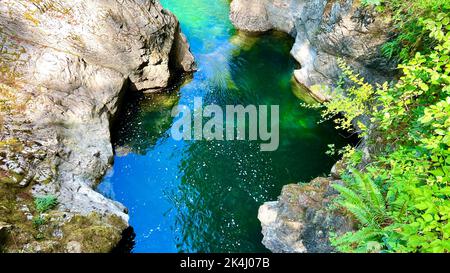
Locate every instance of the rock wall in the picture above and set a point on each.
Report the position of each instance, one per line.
(65, 66)
(324, 31)
(301, 220)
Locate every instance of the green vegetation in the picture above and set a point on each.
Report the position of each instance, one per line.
(401, 196)
(38, 221)
(45, 203)
(409, 33)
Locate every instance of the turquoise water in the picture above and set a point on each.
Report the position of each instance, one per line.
(203, 196)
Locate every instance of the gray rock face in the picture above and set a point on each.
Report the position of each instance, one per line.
(250, 15)
(324, 31)
(72, 61)
(301, 221)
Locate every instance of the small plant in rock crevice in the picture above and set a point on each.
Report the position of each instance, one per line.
(45, 203)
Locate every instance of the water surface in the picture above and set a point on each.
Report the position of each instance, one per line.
(203, 196)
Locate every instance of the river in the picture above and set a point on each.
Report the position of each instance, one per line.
(203, 196)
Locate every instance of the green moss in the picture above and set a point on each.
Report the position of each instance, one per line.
(10, 178)
(12, 201)
(93, 233)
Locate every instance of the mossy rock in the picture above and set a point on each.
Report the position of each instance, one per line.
(93, 233)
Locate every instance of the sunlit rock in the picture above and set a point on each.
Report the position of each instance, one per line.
(72, 62)
(301, 220)
(324, 31)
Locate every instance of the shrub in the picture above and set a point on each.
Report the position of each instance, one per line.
(411, 173)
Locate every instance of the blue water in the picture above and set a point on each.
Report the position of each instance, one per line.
(203, 196)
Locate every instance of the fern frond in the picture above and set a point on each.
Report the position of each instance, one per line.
(361, 213)
(371, 192)
(349, 195)
(358, 238)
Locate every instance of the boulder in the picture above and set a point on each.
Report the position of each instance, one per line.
(301, 220)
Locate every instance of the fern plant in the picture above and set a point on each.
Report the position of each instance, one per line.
(362, 197)
(410, 120)
(372, 2)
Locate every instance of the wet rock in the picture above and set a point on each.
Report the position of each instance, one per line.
(301, 220)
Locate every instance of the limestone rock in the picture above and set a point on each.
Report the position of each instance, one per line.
(181, 53)
(73, 60)
(301, 221)
(249, 15)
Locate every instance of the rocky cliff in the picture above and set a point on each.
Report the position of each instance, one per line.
(324, 30)
(65, 65)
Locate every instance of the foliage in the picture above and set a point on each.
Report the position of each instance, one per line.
(371, 2)
(38, 221)
(409, 34)
(354, 103)
(363, 198)
(402, 197)
(45, 203)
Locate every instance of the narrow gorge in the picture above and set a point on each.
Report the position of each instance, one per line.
(105, 108)
(72, 76)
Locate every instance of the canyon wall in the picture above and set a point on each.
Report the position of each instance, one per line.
(324, 30)
(65, 67)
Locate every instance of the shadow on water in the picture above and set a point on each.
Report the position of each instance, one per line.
(127, 242)
(144, 117)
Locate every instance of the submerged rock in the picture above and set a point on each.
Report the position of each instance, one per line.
(71, 62)
(301, 220)
(324, 31)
